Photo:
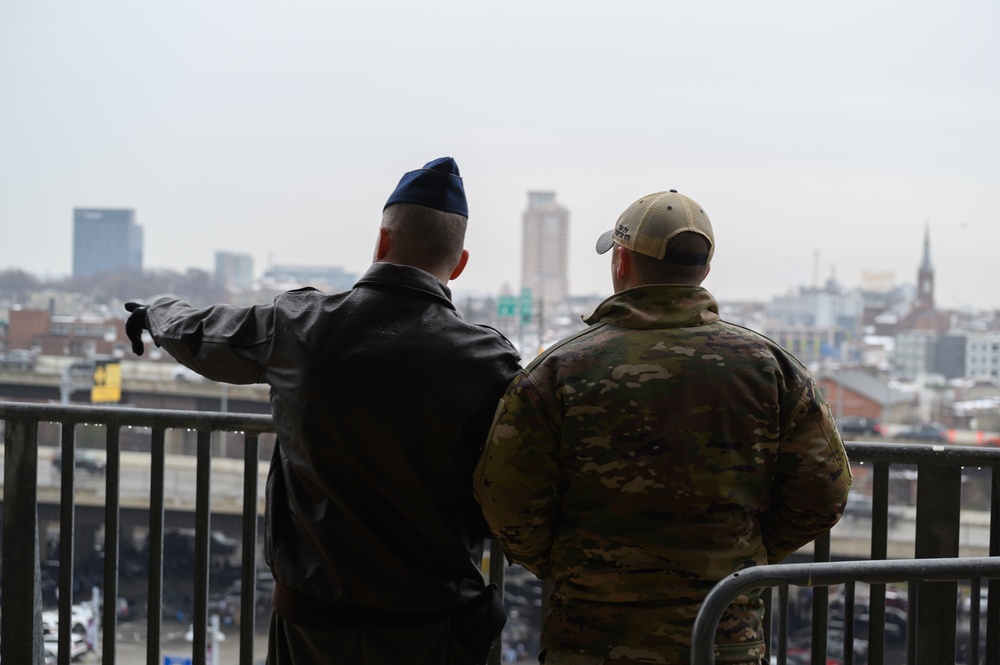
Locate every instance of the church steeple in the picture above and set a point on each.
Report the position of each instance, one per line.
(923, 315)
(925, 264)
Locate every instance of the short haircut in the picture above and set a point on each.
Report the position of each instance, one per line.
(425, 238)
(685, 261)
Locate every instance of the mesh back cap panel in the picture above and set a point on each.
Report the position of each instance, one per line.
(647, 225)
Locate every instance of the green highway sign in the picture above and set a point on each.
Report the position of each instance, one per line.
(507, 306)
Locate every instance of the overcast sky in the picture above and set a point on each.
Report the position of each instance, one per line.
(819, 137)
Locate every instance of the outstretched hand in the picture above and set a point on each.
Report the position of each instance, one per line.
(134, 326)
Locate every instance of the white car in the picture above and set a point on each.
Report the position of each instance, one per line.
(77, 647)
(80, 617)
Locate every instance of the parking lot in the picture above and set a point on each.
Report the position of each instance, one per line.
(130, 645)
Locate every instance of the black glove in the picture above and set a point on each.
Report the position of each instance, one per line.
(135, 324)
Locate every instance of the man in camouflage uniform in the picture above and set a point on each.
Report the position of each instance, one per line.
(659, 450)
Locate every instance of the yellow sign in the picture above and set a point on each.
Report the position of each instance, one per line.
(107, 382)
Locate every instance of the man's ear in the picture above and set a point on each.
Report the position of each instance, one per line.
(461, 265)
(382, 247)
(624, 266)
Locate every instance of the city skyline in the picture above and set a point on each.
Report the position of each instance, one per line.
(818, 139)
(874, 280)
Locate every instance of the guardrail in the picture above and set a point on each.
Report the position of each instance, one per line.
(21, 629)
(931, 616)
(938, 473)
(936, 649)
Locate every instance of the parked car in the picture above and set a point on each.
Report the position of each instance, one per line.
(179, 550)
(924, 432)
(860, 426)
(18, 359)
(83, 460)
(80, 617)
(227, 602)
(861, 507)
(78, 647)
(894, 626)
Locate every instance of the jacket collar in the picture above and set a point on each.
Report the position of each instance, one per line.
(397, 276)
(658, 306)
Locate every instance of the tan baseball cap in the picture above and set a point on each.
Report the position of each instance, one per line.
(647, 225)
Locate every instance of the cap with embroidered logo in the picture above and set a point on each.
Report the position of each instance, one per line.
(437, 185)
(648, 225)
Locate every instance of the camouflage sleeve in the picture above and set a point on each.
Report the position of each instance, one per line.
(812, 478)
(515, 479)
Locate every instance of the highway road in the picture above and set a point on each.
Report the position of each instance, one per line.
(135, 482)
(850, 537)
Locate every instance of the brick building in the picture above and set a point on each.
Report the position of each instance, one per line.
(858, 393)
(77, 336)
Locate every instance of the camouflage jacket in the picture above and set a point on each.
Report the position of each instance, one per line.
(645, 458)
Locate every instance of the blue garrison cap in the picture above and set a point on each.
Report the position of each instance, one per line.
(437, 185)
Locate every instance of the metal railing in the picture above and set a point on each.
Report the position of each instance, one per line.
(936, 649)
(21, 630)
(937, 470)
(931, 631)
(20, 627)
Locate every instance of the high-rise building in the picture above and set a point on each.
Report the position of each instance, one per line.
(105, 240)
(234, 271)
(545, 251)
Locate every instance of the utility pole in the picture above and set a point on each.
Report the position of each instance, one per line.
(82, 379)
(541, 324)
(815, 268)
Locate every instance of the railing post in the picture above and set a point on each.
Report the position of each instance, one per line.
(820, 601)
(248, 595)
(993, 609)
(203, 526)
(21, 635)
(879, 552)
(154, 619)
(496, 575)
(112, 519)
(939, 502)
(67, 538)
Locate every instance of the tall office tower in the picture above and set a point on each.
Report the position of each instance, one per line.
(105, 241)
(234, 271)
(545, 251)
